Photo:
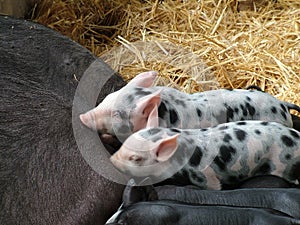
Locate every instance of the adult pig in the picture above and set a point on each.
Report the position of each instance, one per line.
(174, 213)
(190, 205)
(268, 198)
(127, 110)
(43, 177)
(177, 213)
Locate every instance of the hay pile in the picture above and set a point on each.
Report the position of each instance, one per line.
(195, 45)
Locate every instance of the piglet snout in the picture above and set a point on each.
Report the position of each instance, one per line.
(88, 119)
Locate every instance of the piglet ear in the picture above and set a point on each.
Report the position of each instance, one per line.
(152, 120)
(147, 104)
(166, 148)
(145, 79)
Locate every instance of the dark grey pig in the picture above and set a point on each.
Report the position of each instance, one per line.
(190, 205)
(270, 191)
(43, 177)
(175, 213)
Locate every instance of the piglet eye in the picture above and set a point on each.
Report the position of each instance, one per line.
(115, 113)
(135, 158)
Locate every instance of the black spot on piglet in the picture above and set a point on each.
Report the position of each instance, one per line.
(227, 138)
(151, 132)
(162, 110)
(175, 130)
(274, 110)
(223, 127)
(196, 157)
(199, 113)
(173, 116)
(230, 113)
(264, 168)
(196, 177)
(130, 98)
(141, 92)
(284, 108)
(287, 141)
(250, 109)
(288, 156)
(258, 132)
(283, 114)
(180, 102)
(240, 134)
(225, 156)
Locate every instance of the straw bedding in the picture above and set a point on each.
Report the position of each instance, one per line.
(195, 45)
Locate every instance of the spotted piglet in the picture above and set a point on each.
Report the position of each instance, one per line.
(127, 110)
(209, 158)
